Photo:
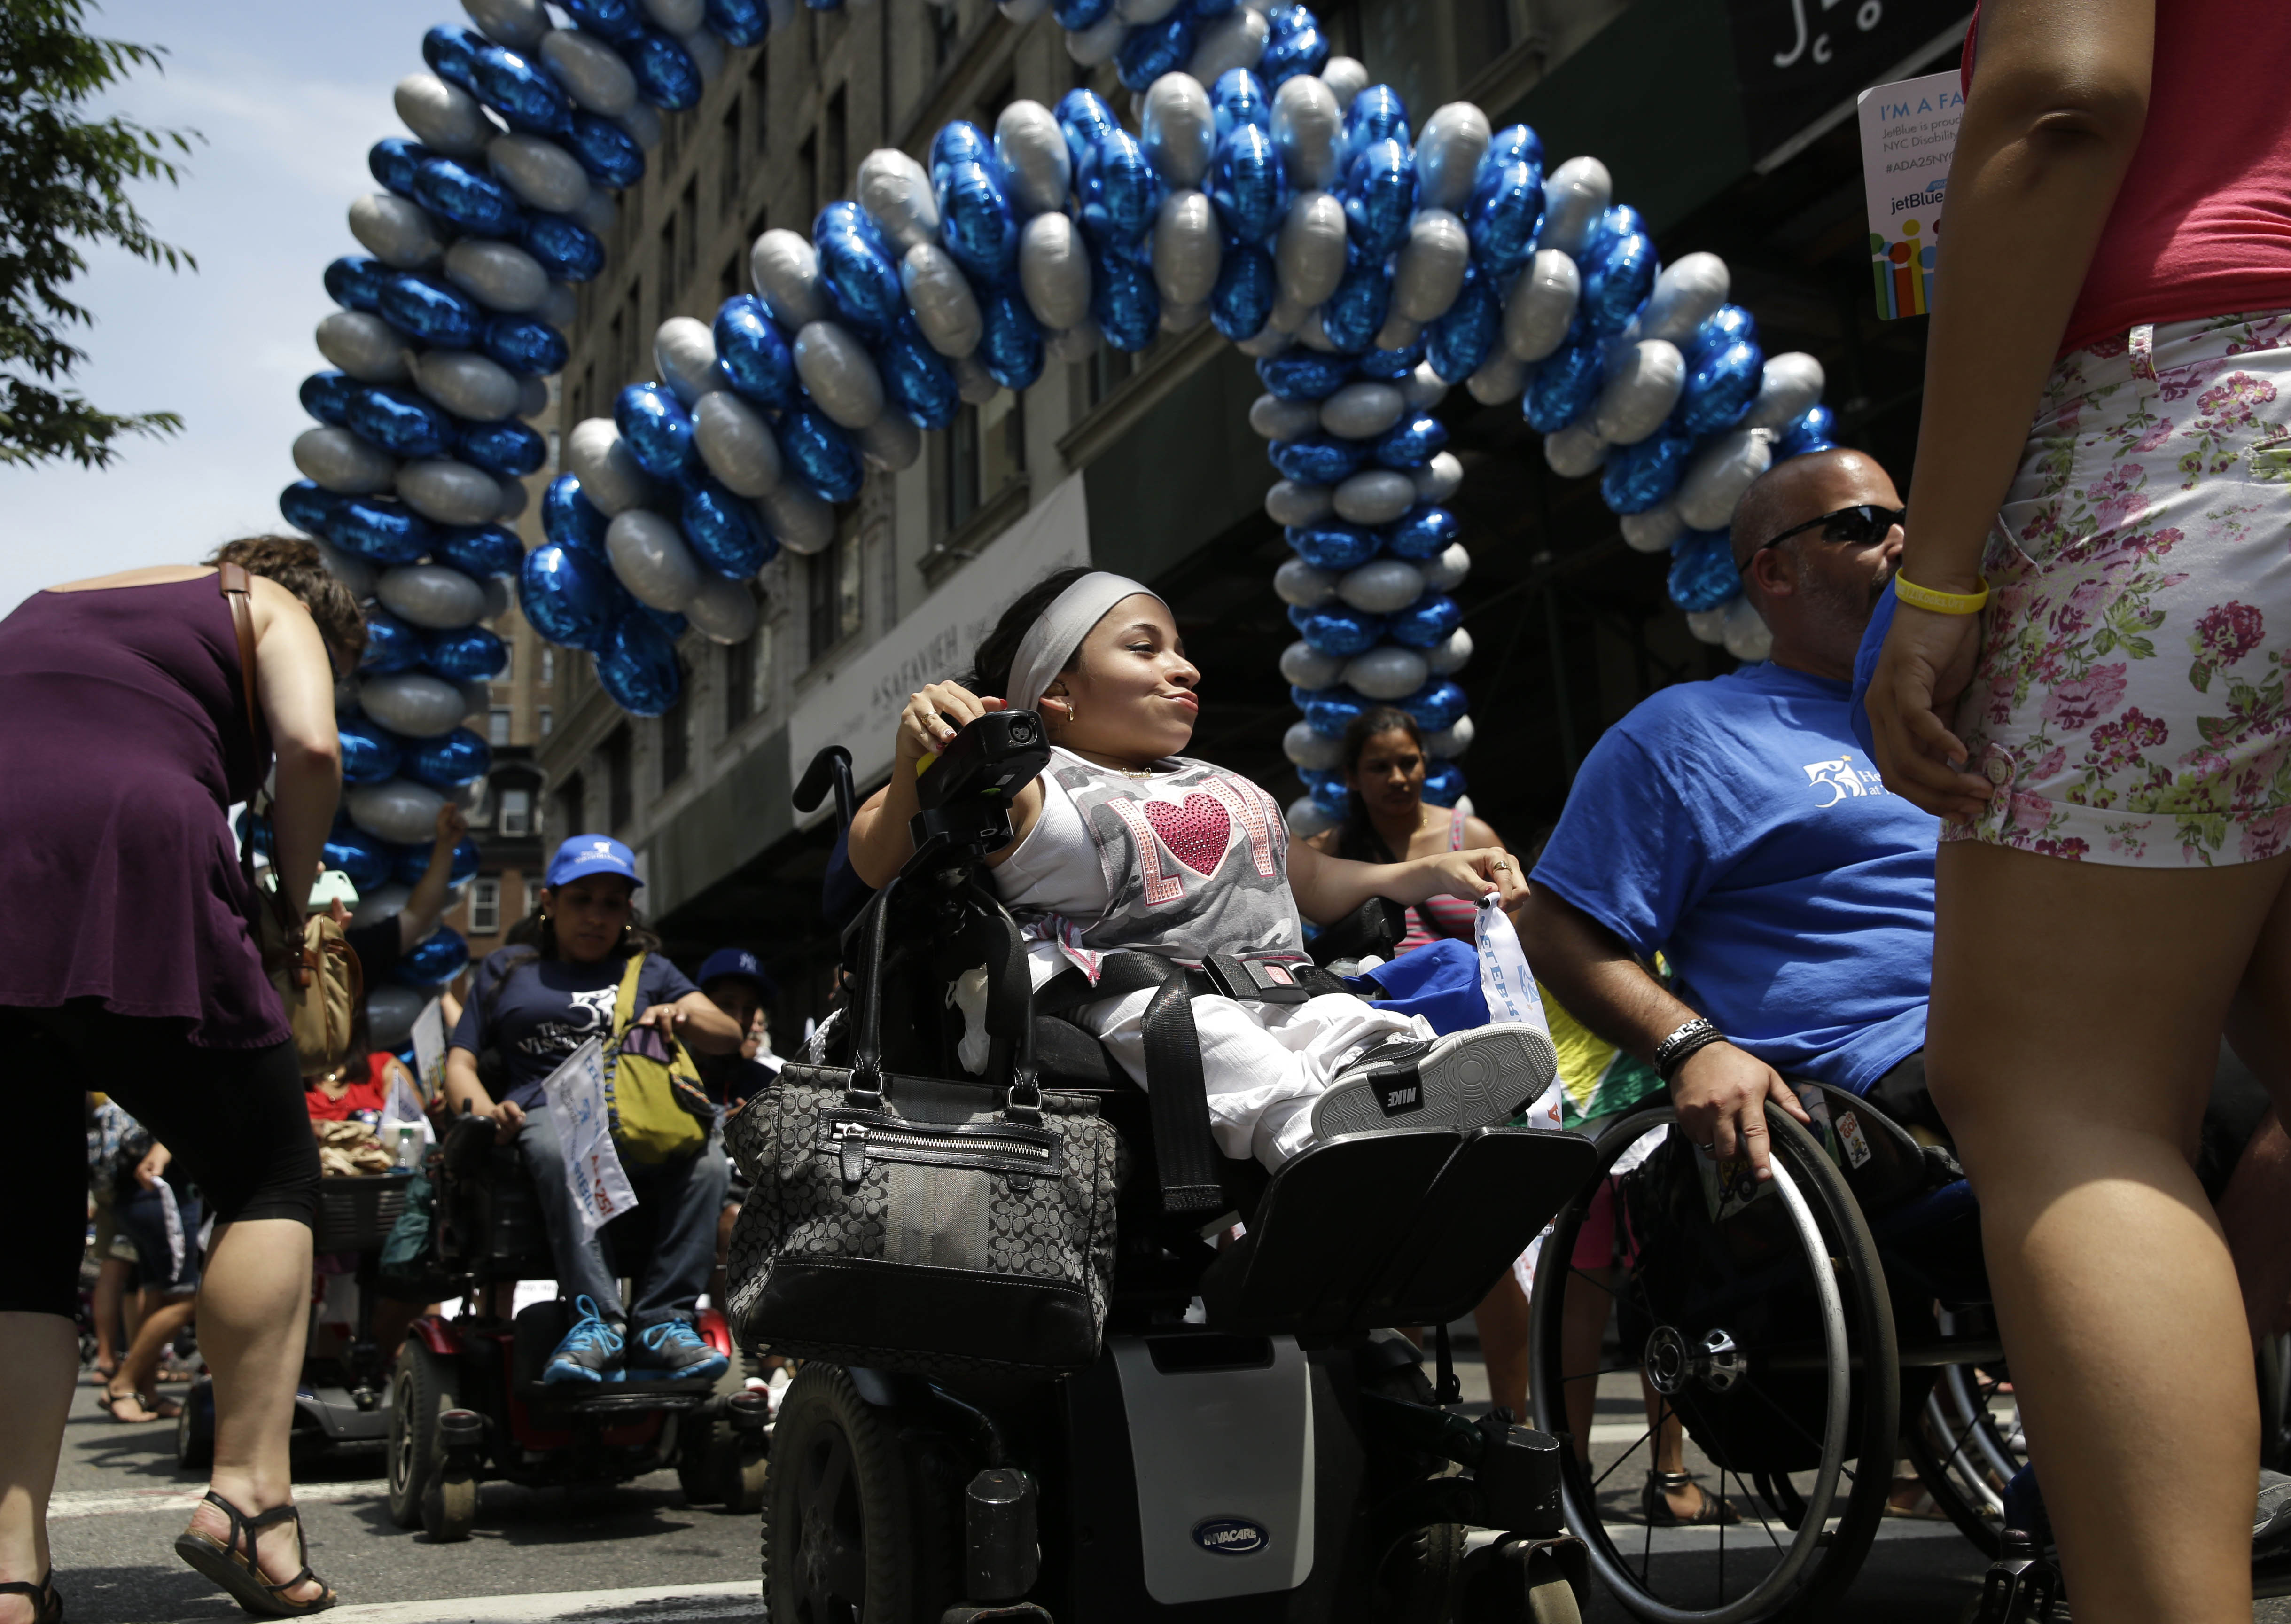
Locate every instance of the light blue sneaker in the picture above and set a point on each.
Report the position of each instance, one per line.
(673, 1351)
(591, 1352)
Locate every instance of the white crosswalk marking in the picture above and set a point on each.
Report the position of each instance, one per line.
(118, 1502)
(659, 1605)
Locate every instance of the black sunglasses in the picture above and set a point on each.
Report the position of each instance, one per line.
(1855, 527)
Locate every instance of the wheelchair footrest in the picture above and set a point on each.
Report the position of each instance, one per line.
(620, 1398)
(1017, 1612)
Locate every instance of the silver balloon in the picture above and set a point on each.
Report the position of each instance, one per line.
(1745, 632)
(722, 611)
(1500, 378)
(800, 521)
(1575, 195)
(1054, 272)
(972, 381)
(1790, 385)
(947, 311)
(542, 174)
(1382, 585)
(1315, 752)
(413, 703)
(477, 700)
(1288, 420)
(1654, 530)
(514, 495)
(1288, 316)
(1291, 502)
(685, 351)
(1642, 386)
(347, 567)
(365, 346)
(1540, 307)
(1448, 152)
(677, 16)
(435, 595)
(1686, 294)
(1235, 40)
(1424, 388)
(1307, 667)
(1452, 741)
(1309, 125)
(342, 463)
(599, 213)
(532, 395)
(1304, 817)
(1022, 12)
(1388, 672)
(449, 493)
(1315, 335)
(1345, 78)
(1375, 496)
(396, 232)
(1178, 129)
(496, 275)
(1182, 317)
(398, 810)
(890, 444)
(392, 1009)
(444, 117)
(895, 191)
(518, 24)
(1721, 472)
(374, 906)
(1447, 572)
(498, 599)
(1430, 270)
(736, 444)
(1271, 340)
(1708, 625)
(1036, 165)
(1137, 13)
(1450, 654)
(1297, 583)
(1360, 410)
(1188, 249)
(1574, 451)
(1310, 252)
(643, 126)
(610, 474)
(838, 374)
(785, 271)
(1439, 479)
(707, 53)
(590, 71)
(650, 555)
(1094, 45)
(1078, 342)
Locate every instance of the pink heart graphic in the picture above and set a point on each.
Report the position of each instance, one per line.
(1196, 833)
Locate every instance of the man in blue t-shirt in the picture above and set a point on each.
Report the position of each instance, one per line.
(1737, 827)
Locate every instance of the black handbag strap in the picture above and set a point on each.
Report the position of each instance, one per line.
(865, 1090)
(1177, 1095)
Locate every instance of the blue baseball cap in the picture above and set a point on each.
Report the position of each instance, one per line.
(592, 854)
(736, 961)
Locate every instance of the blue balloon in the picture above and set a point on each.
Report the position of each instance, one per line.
(567, 249)
(466, 199)
(1460, 341)
(434, 960)
(752, 353)
(975, 221)
(1810, 431)
(370, 751)
(724, 532)
(1157, 48)
(856, 270)
(1076, 15)
(1616, 281)
(636, 666)
(820, 455)
(1239, 98)
(916, 378)
(1443, 785)
(510, 448)
(1437, 703)
(1506, 214)
(1425, 623)
(1639, 478)
(1352, 316)
(363, 857)
(570, 519)
(668, 620)
(422, 307)
(609, 153)
(1729, 323)
(326, 397)
(1332, 544)
(451, 759)
(1380, 198)
(1377, 114)
(452, 53)
(1247, 185)
(399, 420)
(1513, 144)
(1300, 48)
(467, 654)
(524, 93)
(354, 282)
(1411, 443)
(739, 23)
(310, 507)
(572, 597)
(666, 76)
(1389, 366)
(613, 19)
(1010, 346)
(1083, 119)
(1329, 711)
(1565, 384)
(1329, 792)
(1317, 458)
(383, 532)
(1246, 287)
(959, 142)
(391, 644)
(1337, 629)
(481, 549)
(525, 344)
(1702, 573)
(1720, 387)
(393, 159)
(409, 864)
(1421, 534)
(1119, 193)
(1304, 374)
(656, 429)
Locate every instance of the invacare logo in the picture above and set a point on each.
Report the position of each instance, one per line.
(1230, 1536)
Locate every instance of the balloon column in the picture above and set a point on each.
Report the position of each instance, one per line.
(1263, 186)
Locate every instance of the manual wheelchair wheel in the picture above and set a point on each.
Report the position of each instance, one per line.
(1768, 1336)
(1966, 1441)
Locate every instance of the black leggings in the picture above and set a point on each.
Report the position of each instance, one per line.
(233, 1118)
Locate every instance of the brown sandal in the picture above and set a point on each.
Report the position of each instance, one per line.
(111, 1402)
(239, 1575)
(45, 1596)
(1654, 1503)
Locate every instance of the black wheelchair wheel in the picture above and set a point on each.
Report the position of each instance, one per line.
(839, 1540)
(1966, 1440)
(1769, 1336)
(421, 1388)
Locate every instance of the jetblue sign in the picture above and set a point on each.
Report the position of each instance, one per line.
(1230, 1536)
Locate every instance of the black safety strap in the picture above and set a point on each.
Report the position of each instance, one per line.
(1176, 1098)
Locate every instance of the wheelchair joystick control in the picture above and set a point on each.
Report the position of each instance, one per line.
(1001, 1549)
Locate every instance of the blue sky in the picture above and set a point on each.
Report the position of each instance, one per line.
(289, 94)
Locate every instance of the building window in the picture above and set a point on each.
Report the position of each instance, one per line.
(747, 675)
(985, 449)
(507, 672)
(835, 151)
(807, 165)
(517, 812)
(758, 126)
(497, 721)
(676, 735)
(620, 779)
(728, 171)
(571, 813)
(668, 229)
(484, 907)
(833, 589)
(687, 237)
(946, 32)
(547, 718)
(548, 665)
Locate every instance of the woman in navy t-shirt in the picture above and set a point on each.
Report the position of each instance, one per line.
(535, 1006)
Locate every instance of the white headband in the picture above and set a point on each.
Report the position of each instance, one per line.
(1059, 629)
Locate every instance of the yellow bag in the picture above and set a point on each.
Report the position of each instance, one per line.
(657, 1106)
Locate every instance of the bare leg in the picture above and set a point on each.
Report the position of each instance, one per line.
(2076, 1020)
(1502, 1321)
(1583, 1326)
(110, 1298)
(40, 1352)
(2251, 1212)
(139, 1372)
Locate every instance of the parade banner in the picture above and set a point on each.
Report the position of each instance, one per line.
(575, 1092)
(1908, 133)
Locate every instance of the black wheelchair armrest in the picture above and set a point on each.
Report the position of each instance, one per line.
(1375, 927)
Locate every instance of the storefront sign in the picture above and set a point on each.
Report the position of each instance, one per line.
(858, 707)
(1908, 130)
(1799, 62)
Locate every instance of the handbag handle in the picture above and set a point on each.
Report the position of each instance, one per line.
(237, 588)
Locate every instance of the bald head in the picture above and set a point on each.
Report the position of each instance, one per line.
(1788, 494)
(1816, 589)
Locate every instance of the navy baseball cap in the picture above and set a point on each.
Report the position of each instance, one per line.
(736, 962)
(592, 854)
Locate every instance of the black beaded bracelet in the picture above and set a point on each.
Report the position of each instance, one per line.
(1672, 1052)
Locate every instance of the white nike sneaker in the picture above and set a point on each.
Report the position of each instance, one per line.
(1464, 1079)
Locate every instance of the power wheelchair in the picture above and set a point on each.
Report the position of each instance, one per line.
(1250, 1442)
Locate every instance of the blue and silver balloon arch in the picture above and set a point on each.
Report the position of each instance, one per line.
(1267, 189)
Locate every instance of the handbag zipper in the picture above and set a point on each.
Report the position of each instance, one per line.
(855, 1142)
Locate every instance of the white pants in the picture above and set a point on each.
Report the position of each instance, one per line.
(1262, 1065)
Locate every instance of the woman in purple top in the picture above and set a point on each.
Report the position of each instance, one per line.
(127, 968)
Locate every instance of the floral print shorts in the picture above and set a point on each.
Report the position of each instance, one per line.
(2129, 704)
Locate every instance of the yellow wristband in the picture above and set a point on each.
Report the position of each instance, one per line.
(1941, 603)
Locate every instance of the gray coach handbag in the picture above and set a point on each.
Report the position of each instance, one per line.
(914, 1224)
